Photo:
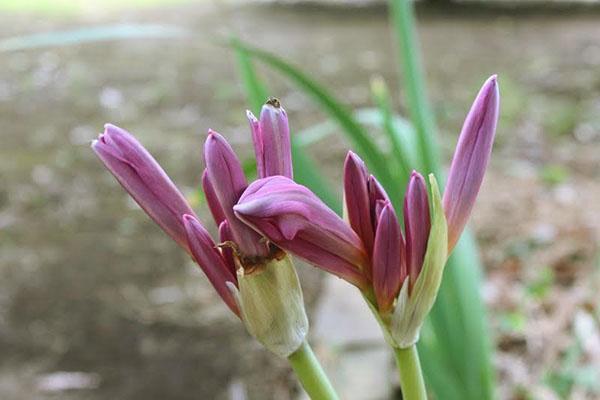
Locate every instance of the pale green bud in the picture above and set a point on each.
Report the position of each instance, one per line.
(271, 304)
(412, 308)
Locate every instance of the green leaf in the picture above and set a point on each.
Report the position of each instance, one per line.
(401, 152)
(256, 92)
(402, 14)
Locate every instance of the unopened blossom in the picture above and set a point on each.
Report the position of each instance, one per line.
(398, 272)
(147, 183)
(271, 137)
(254, 278)
(295, 219)
(470, 159)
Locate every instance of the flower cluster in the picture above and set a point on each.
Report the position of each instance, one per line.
(395, 260)
(398, 273)
(256, 280)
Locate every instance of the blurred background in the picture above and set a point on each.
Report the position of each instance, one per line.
(97, 303)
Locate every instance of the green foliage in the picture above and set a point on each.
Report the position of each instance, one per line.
(554, 174)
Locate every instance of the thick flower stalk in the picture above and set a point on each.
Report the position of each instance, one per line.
(256, 279)
(399, 273)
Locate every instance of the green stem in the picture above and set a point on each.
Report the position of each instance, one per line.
(411, 377)
(311, 374)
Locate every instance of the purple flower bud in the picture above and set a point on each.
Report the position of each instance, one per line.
(207, 256)
(141, 176)
(389, 267)
(228, 182)
(470, 159)
(417, 224)
(296, 220)
(271, 137)
(357, 199)
(211, 199)
(378, 199)
(226, 248)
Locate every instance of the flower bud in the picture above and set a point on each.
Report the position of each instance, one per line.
(470, 159)
(414, 304)
(272, 143)
(296, 220)
(139, 173)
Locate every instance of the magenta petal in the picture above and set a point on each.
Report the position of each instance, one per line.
(296, 220)
(211, 199)
(388, 259)
(275, 138)
(357, 199)
(228, 181)
(225, 237)
(141, 176)
(471, 159)
(209, 259)
(417, 224)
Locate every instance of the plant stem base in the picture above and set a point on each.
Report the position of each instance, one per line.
(411, 377)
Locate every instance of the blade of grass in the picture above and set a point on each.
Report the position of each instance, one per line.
(255, 90)
(403, 168)
(414, 84)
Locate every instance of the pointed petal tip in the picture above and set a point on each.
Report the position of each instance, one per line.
(188, 218)
(251, 116)
(353, 157)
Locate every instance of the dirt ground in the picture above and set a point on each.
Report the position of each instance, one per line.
(89, 284)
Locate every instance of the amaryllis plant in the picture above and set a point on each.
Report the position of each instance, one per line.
(255, 278)
(398, 273)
